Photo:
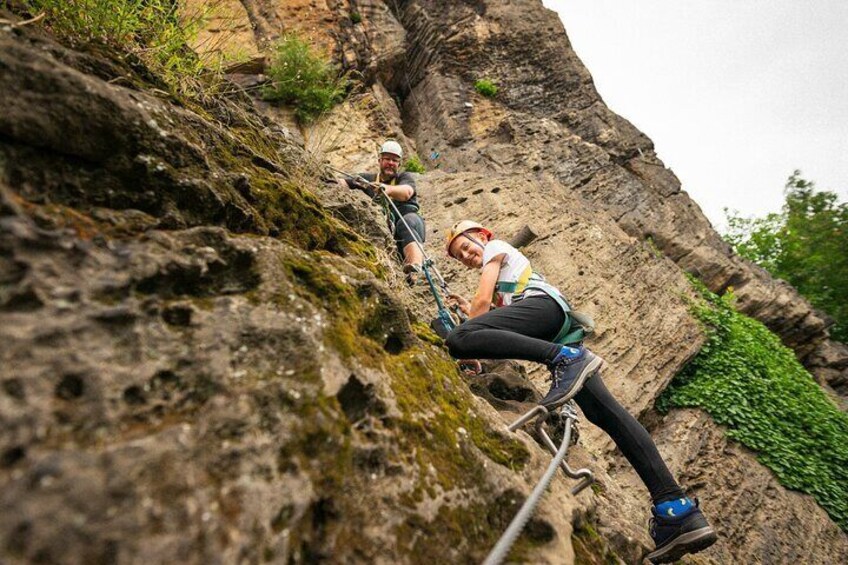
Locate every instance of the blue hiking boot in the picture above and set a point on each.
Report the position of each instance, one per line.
(569, 370)
(678, 527)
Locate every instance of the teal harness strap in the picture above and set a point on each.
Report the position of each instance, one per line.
(508, 287)
(566, 335)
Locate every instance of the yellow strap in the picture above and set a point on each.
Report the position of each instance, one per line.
(393, 182)
(523, 279)
(516, 287)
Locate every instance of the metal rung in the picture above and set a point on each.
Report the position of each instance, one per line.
(529, 415)
(569, 414)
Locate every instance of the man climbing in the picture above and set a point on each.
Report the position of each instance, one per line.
(400, 187)
(532, 321)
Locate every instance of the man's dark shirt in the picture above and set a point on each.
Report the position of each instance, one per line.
(406, 178)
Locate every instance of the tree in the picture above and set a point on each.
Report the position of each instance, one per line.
(806, 244)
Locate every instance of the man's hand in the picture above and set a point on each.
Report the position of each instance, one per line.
(460, 302)
(357, 184)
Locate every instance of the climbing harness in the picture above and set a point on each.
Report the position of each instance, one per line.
(568, 333)
(444, 322)
(568, 413)
(529, 280)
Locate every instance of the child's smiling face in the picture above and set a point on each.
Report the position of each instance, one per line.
(468, 248)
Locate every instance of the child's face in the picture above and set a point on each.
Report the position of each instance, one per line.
(468, 249)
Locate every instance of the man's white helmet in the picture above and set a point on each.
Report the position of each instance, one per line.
(393, 147)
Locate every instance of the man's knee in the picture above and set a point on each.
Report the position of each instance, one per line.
(416, 224)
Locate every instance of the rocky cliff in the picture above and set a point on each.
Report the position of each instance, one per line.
(208, 357)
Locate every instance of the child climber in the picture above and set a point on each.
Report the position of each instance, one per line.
(529, 318)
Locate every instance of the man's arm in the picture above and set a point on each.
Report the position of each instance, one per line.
(355, 184)
(400, 192)
(404, 190)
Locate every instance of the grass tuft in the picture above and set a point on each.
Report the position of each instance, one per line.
(414, 165)
(156, 32)
(302, 77)
(486, 87)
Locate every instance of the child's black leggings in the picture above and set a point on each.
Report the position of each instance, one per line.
(523, 330)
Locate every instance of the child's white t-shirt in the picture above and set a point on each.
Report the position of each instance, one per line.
(515, 268)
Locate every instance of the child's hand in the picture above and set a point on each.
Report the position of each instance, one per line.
(470, 367)
(461, 303)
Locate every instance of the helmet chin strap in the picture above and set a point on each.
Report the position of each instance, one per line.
(472, 240)
(469, 238)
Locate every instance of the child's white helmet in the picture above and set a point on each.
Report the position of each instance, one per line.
(460, 228)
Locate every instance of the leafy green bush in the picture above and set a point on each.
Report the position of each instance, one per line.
(414, 165)
(748, 381)
(355, 17)
(155, 31)
(302, 77)
(486, 87)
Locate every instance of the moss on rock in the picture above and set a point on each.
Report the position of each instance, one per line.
(589, 547)
(438, 413)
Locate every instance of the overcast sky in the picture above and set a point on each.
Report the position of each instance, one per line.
(735, 94)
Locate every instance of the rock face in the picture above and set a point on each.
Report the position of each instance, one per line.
(615, 232)
(200, 364)
(209, 357)
(549, 122)
(750, 495)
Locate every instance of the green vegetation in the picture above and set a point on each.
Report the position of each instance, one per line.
(355, 17)
(437, 432)
(804, 244)
(304, 78)
(748, 381)
(426, 382)
(435, 404)
(414, 165)
(156, 32)
(486, 87)
(654, 248)
(286, 208)
(434, 401)
(425, 333)
(589, 547)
